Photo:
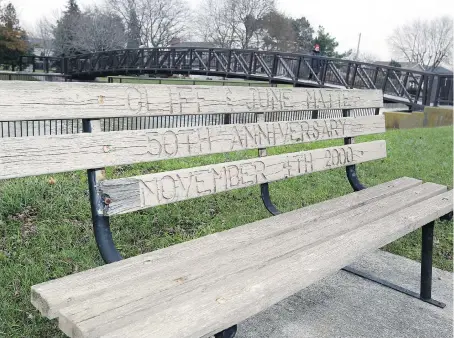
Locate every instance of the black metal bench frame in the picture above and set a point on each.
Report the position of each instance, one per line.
(109, 252)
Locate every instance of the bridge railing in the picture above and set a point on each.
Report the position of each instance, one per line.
(412, 87)
(444, 91)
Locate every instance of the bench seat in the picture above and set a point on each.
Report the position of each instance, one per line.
(224, 278)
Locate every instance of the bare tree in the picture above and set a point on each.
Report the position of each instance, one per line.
(43, 31)
(159, 21)
(427, 43)
(122, 7)
(233, 23)
(132, 14)
(363, 56)
(98, 30)
(216, 22)
(278, 33)
(249, 15)
(163, 20)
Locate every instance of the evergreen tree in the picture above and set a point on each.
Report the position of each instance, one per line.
(303, 33)
(13, 39)
(9, 17)
(394, 63)
(277, 32)
(133, 29)
(328, 44)
(65, 30)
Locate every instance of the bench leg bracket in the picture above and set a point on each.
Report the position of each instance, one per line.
(426, 271)
(393, 286)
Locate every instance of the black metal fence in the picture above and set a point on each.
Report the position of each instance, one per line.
(178, 81)
(73, 126)
(34, 77)
(45, 64)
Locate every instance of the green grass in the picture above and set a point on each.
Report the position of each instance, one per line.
(45, 229)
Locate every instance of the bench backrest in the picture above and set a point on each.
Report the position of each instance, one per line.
(25, 156)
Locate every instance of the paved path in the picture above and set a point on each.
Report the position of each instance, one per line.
(347, 306)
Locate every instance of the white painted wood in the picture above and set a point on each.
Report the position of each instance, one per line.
(50, 296)
(27, 100)
(145, 191)
(27, 156)
(245, 277)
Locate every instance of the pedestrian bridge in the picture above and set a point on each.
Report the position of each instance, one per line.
(414, 88)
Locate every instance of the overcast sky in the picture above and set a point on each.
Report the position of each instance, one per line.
(344, 19)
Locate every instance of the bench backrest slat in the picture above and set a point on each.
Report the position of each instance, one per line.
(140, 192)
(29, 100)
(27, 156)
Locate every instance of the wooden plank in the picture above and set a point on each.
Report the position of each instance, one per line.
(230, 302)
(53, 100)
(26, 156)
(154, 297)
(50, 296)
(145, 191)
(71, 290)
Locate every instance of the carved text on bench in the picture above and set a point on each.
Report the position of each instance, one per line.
(188, 99)
(183, 184)
(139, 192)
(203, 140)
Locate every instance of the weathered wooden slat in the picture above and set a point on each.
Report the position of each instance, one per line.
(153, 271)
(21, 157)
(140, 192)
(235, 284)
(50, 296)
(230, 302)
(52, 100)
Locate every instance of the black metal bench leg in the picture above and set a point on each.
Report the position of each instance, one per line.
(426, 271)
(265, 195)
(427, 238)
(426, 251)
(101, 226)
(426, 265)
(426, 261)
(227, 333)
(353, 178)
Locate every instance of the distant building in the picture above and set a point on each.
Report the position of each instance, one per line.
(37, 46)
(417, 67)
(442, 70)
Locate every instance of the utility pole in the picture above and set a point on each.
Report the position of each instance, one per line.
(357, 48)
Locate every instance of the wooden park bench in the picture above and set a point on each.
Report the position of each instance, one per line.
(206, 286)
